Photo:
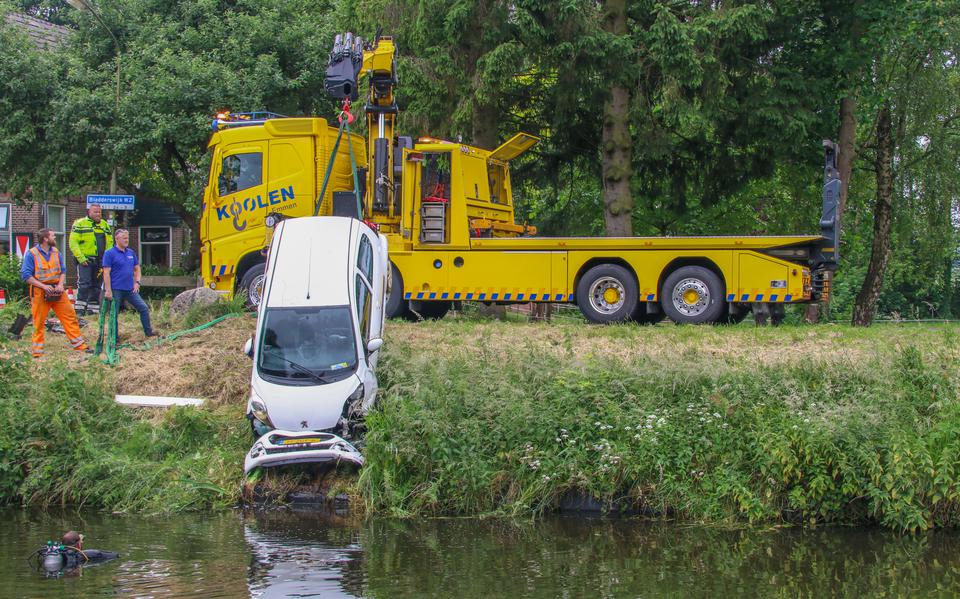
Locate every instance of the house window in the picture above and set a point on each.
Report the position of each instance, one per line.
(57, 220)
(5, 215)
(155, 246)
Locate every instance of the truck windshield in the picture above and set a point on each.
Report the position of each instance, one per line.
(311, 345)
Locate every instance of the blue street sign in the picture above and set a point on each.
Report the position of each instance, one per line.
(110, 202)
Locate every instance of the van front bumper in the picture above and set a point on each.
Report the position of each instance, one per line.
(281, 448)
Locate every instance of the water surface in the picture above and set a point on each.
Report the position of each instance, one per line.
(296, 554)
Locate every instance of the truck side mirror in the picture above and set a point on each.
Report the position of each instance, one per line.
(374, 344)
(248, 348)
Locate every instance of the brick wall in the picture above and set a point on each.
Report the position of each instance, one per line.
(31, 217)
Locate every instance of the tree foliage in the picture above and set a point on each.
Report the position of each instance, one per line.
(725, 107)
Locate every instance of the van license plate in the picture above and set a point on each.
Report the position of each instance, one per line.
(304, 441)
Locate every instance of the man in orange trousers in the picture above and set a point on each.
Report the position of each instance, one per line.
(45, 272)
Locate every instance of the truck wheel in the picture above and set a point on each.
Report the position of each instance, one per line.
(252, 283)
(397, 307)
(434, 310)
(607, 293)
(693, 295)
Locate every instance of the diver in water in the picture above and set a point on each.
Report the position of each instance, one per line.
(68, 555)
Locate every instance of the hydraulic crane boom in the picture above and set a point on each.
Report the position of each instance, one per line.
(349, 59)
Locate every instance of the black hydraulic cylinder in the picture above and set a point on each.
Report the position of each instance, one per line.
(381, 173)
(830, 220)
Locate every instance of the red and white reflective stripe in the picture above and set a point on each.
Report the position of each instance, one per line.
(71, 295)
(3, 298)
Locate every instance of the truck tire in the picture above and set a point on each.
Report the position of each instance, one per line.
(397, 307)
(608, 293)
(252, 284)
(693, 295)
(434, 310)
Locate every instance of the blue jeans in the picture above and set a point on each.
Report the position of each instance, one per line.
(138, 304)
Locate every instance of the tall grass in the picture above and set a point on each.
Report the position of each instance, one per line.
(63, 440)
(867, 438)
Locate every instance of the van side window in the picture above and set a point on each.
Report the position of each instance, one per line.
(364, 306)
(365, 257)
(239, 172)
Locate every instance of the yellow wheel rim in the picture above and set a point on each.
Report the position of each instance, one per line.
(611, 295)
(691, 297)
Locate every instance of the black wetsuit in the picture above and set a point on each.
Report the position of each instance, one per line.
(70, 559)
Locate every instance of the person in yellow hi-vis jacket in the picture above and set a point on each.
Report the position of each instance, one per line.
(45, 272)
(90, 238)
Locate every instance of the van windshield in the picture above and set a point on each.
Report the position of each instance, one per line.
(307, 345)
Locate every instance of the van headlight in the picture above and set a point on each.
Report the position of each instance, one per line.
(356, 395)
(259, 410)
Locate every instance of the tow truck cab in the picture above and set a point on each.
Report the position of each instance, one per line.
(262, 164)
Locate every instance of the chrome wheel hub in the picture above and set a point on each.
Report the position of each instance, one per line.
(691, 297)
(607, 295)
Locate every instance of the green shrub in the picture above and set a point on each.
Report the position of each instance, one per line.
(10, 277)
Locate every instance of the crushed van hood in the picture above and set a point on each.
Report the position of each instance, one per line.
(308, 407)
(281, 448)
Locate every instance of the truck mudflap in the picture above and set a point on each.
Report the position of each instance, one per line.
(281, 448)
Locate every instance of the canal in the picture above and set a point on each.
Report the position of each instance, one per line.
(306, 554)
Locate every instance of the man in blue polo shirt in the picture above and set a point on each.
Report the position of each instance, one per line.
(121, 278)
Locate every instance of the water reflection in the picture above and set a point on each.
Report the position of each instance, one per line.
(304, 555)
(284, 554)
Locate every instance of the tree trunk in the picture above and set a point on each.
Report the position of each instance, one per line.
(484, 122)
(866, 304)
(616, 144)
(848, 148)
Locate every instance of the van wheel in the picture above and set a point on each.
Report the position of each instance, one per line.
(693, 295)
(608, 293)
(397, 307)
(252, 283)
(434, 310)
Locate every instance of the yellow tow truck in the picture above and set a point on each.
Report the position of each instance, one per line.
(447, 211)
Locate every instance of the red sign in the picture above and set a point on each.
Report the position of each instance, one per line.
(22, 243)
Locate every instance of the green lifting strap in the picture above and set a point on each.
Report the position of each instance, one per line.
(344, 126)
(107, 344)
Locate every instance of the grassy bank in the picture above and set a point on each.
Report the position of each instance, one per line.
(825, 424)
(737, 424)
(63, 439)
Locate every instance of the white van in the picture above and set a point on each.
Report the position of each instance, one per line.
(319, 332)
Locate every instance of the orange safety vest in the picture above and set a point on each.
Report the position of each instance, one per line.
(46, 271)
